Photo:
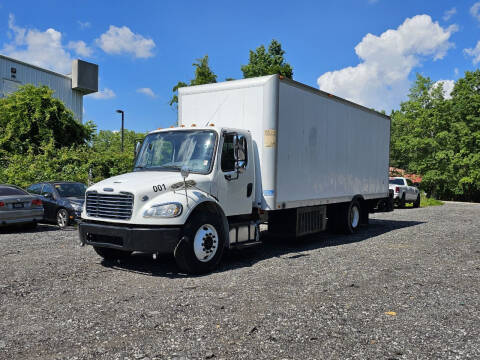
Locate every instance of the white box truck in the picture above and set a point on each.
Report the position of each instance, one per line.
(265, 150)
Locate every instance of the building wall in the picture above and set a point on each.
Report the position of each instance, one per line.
(14, 73)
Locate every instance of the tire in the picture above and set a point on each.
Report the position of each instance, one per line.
(202, 245)
(111, 254)
(401, 203)
(62, 218)
(416, 204)
(347, 217)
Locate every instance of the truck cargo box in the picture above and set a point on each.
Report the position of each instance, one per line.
(313, 148)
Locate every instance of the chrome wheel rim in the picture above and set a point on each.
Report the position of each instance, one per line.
(205, 243)
(62, 218)
(354, 216)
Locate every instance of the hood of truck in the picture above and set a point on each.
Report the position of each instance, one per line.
(148, 188)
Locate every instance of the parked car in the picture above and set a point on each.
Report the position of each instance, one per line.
(404, 192)
(19, 207)
(62, 200)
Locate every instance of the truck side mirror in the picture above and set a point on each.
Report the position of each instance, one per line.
(240, 149)
(137, 148)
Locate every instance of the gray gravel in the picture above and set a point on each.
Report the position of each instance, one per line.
(406, 287)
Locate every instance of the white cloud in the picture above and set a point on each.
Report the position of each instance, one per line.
(119, 40)
(381, 79)
(475, 10)
(449, 13)
(80, 48)
(474, 52)
(84, 24)
(104, 94)
(146, 91)
(455, 71)
(41, 48)
(447, 87)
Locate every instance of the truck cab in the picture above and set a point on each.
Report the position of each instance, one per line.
(185, 183)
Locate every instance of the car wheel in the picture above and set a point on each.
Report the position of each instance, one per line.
(201, 247)
(111, 254)
(416, 204)
(62, 218)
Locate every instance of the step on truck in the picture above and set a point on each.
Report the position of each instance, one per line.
(264, 150)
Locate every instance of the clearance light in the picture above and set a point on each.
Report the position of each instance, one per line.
(182, 125)
(171, 127)
(159, 128)
(194, 125)
(212, 124)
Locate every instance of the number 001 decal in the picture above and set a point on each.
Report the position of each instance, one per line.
(159, 188)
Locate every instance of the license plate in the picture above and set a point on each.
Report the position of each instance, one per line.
(18, 206)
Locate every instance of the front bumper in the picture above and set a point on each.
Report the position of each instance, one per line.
(130, 238)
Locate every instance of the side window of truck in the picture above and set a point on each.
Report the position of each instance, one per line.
(228, 153)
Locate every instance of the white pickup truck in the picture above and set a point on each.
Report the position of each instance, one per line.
(404, 192)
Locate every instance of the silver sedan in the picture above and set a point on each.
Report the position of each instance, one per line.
(19, 207)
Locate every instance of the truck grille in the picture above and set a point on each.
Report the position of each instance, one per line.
(111, 206)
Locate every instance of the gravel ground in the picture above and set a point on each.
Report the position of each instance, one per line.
(406, 287)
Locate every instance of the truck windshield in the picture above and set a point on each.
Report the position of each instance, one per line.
(171, 150)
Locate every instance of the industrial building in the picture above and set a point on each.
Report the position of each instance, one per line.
(69, 88)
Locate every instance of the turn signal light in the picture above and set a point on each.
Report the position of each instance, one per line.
(37, 202)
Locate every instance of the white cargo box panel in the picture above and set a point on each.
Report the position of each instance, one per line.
(313, 148)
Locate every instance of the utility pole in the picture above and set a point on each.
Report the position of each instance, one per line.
(123, 114)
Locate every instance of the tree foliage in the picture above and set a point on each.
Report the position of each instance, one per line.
(203, 75)
(41, 141)
(31, 117)
(262, 62)
(439, 137)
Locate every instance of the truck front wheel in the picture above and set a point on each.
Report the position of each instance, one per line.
(201, 247)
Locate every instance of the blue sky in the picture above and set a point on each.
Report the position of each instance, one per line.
(144, 48)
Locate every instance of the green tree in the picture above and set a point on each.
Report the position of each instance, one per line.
(263, 63)
(203, 75)
(32, 117)
(440, 138)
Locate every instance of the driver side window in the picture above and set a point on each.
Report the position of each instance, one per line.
(228, 153)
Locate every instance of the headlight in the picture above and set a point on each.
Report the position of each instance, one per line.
(164, 210)
(77, 207)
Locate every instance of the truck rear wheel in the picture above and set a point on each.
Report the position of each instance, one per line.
(111, 254)
(416, 204)
(348, 217)
(201, 248)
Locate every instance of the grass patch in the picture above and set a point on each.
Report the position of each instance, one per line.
(426, 202)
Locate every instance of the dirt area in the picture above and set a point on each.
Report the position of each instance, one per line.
(407, 286)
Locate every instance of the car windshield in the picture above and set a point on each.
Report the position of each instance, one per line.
(71, 190)
(396, 181)
(172, 150)
(11, 191)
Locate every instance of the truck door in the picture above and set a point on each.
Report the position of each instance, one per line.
(236, 172)
(411, 190)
